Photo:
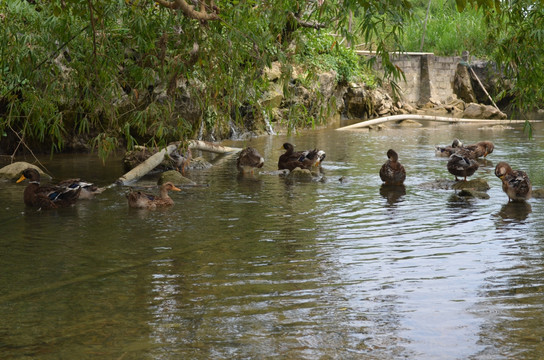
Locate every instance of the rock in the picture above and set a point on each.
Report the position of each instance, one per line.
(480, 111)
(199, 163)
(273, 72)
(462, 85)
(409, 123)
(13, 171)
(538, 193)
(299, 174)
(273, 97)
(473, 193)
(174, 177)
(474, 184)
(496, 127)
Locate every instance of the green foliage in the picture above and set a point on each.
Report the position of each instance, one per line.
(448, 31)
(323, 52)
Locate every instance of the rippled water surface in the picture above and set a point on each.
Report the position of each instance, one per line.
(259, 268)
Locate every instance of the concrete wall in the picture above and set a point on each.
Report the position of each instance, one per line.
(427, 76)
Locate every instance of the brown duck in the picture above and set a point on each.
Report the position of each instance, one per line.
(141, 200)
(392, 172)
(249, 160)
(479, 149)
(459, 165)
(515, 183)
(301, 159)
(51, 196)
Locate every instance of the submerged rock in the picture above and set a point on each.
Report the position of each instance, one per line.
(174, 177)
(446, 184)
(473, 193)
(300, 175)
(538, 193)
(474, 184)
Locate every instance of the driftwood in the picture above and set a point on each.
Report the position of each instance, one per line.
(450, 120)
(154, 160)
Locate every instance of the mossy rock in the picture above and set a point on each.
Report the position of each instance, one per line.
(473, 193)
(174, 177)
(199, 163)
(474, 184)
(299, 174)
(538, 193)
(13, 171)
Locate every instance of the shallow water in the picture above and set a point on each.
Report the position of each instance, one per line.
(259, 268)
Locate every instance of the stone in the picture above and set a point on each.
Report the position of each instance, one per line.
(273, 97)
(462, 85)
(273, 72)
(480, 111)
(473, 193)
(538, 193)
(474, 184)
(13, 171)
(409, 123)
(199, 163)
(174, 177)
(300, 175)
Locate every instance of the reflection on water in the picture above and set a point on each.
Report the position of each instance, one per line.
(243, 266)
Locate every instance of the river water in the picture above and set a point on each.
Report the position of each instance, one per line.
(261, 268)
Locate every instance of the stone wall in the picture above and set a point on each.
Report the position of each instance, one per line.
(427, 76)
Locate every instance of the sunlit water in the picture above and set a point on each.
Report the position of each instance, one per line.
(258, 268)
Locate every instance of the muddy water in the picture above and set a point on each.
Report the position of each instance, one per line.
(258, 268)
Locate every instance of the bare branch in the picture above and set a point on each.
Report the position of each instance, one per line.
(307, 24)
(189, 10)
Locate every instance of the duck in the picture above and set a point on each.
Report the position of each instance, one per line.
(249, 160)
(447, 151)
(53, 196)
(515, 183)
(302, 159)
(479, 149)
(141, 200)
(459, 165)
(392, 172)
(181, 160)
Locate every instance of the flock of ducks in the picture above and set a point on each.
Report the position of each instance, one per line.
(461, 163)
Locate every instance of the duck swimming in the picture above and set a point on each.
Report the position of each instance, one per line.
(302, 159)
(54, 196)
(249, 160)
(392, 172)
(141, 200)
(515, 183)
(459, 165)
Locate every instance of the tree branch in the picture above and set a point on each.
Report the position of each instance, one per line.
(189, 10)
(307, 24)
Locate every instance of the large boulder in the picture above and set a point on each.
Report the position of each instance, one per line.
(481, 111)
(13, 171)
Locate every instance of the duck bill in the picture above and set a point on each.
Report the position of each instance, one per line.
(22, 178)
(175, 188)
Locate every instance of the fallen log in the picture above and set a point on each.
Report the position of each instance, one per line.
(154, 160)
(429, 118)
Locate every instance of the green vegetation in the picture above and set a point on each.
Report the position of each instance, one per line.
(448, 31)
(126, 72)
(136, 72)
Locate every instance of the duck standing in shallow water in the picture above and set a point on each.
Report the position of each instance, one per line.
(141, 200)
(301, 159)
(392, 172)
(50, 196)
(515, 183)
(459, 165)
(249, 160)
